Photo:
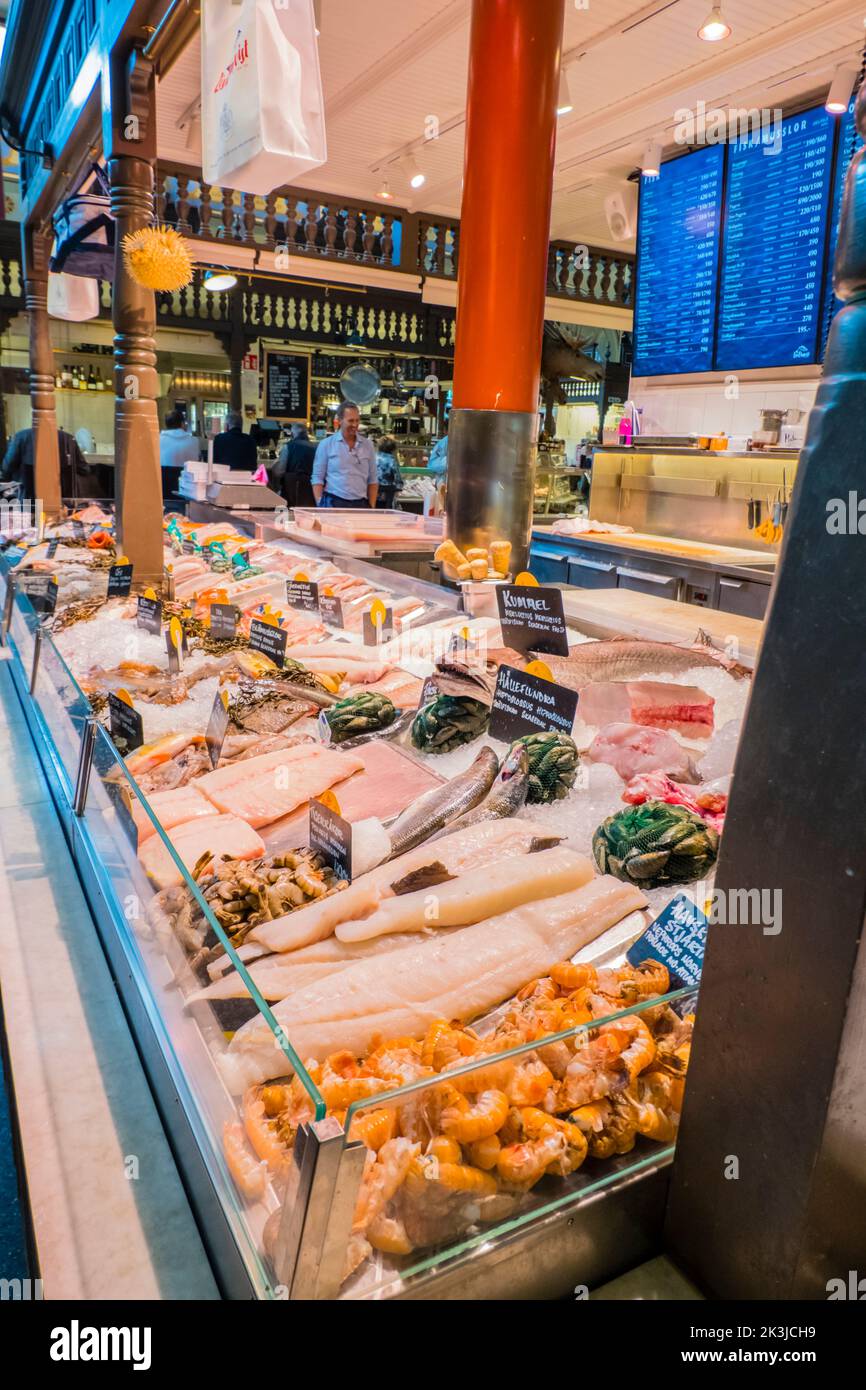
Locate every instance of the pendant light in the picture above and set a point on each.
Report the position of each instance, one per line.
(221, 279)
(714, 26)
(385, 192)
(840, 91)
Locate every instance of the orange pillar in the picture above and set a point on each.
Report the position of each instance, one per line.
(507, 189)
(513, 89)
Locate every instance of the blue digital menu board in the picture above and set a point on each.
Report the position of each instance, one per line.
(677, 258)
(849, 143)
(772, 268)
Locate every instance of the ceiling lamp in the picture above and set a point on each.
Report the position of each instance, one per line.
(385, 191)
(652, 160)
(415, 175)
(564, 103)
(840, 91)
(317, 16)
(714, 26)
(219, 280)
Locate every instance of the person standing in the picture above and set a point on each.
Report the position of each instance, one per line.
(344, 469)
(234, 448)
(17, 466)
(176, 447)
(388, 467)
(295, 468)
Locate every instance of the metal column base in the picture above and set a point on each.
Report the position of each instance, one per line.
(491, 476)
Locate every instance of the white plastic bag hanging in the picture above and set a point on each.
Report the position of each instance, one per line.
(262, 116)
(72, 297)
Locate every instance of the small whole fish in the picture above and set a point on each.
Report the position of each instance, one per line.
(442, 805)
(623, 658)
(506, 797)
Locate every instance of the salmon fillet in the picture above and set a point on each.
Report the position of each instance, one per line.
(460, 977)
(215, 834)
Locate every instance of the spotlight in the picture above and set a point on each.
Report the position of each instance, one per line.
(652, 160)
(714, 26)
(415, 176)
(840, 91)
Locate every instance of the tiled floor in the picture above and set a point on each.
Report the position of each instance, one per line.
(83, 1101)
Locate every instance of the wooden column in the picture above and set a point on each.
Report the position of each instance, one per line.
(237, 345)
(35, 250)
(130, 125)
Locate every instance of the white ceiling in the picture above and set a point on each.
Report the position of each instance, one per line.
(388, 66)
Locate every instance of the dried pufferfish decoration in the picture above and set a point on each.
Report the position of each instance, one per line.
(157, 258)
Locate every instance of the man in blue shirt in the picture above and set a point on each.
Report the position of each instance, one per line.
(344, 469)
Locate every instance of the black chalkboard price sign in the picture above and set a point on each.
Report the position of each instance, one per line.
(287, 385)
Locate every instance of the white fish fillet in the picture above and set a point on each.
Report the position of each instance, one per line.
(458, 977)
(476, 895)
(279, 975)
(480, 844)
(171, 808)
(265, 794)
(218, 834)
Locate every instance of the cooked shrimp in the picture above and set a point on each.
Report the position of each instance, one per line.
(594, 1072)
(383, 1174)
(522, 1165)
(446, 1045)
(374, 1128)
(388, 1234)
(483, 1153)
(455, 1177)
(529, 1085)
(466, 1122)
(641, 1049)
(570, 977)
(537, 1123)
(445, 1150)
(250, 1177)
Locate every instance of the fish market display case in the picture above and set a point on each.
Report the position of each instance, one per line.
(281, 1223)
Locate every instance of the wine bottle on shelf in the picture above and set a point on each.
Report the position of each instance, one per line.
(82, 380)
(74, 381)
(58, 381)
(100, 384)
(91, 380)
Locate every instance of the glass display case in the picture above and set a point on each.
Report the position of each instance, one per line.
(388, 1175)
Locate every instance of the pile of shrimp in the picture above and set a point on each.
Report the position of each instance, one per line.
(467, 1149)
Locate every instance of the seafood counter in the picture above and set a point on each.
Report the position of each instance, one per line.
(452, 995)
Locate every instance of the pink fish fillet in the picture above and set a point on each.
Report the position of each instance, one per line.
(633, 748)
(215, 835)
(684, 709)
(655, 786)
(171, 808)
(260, 797)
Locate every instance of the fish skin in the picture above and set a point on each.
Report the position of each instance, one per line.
(461, 978)
(441, 805)
(623, 658)
(506, 797)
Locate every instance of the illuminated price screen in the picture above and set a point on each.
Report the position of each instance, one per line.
(772, 271)
(677, 249)
(849, 143)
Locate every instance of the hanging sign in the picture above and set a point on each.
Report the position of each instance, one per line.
(524, 704)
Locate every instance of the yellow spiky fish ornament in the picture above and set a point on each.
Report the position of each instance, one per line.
(157, 258)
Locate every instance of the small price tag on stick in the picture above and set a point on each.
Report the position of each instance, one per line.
(215, 734)
(331, 835)
(524, 704)
(124, 722)
(677, 938)
(378, 624)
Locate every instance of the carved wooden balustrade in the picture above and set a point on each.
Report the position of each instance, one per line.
(323, 226)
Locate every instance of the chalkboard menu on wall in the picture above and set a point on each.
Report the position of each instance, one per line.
(677, 256)
(287, 385)
(773, 253)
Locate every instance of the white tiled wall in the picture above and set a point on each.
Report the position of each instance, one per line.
(707, 409)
